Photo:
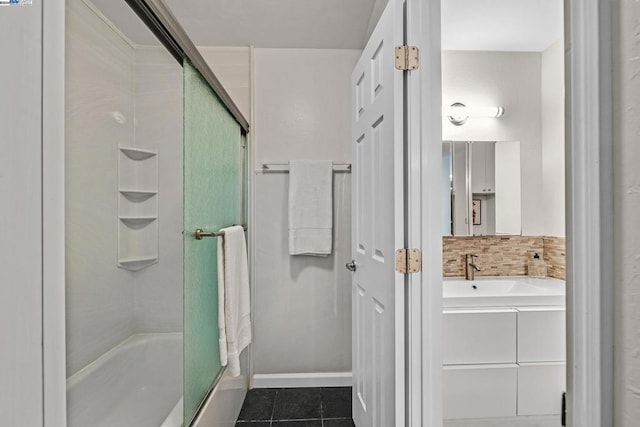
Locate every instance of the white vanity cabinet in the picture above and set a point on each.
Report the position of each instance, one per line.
(503, 362)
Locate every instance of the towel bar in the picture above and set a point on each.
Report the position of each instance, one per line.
(200, 233)
(284, 167)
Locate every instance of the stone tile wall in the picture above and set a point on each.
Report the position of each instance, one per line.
(555, 256)
(503, 255)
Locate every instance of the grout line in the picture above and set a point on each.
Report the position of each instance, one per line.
(273, 410)
(321, 408)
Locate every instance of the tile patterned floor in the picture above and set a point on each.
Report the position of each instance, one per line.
(297, 407)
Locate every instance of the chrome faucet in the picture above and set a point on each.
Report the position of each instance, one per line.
(470, 267)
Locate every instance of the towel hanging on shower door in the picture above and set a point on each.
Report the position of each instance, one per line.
(234, 304)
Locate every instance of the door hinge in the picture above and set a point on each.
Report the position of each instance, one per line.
(563, 412)
(408, 261)
(407, 58)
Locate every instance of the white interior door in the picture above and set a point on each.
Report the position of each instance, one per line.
(378, 227)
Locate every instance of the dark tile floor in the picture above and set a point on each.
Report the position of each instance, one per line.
(297, 407)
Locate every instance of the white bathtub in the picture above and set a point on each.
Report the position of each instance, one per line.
(136, 384)
(503, 292)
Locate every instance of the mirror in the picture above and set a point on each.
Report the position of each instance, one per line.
(481, 188)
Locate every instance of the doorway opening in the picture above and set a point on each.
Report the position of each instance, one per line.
(504, 338)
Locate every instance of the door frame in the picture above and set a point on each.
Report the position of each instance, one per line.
(589, 201)
(54, 358)
(424, 225)
(589, 259)
(589, 237)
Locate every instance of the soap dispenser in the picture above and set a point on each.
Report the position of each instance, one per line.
(537, 267)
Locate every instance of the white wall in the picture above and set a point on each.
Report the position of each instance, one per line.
(302, 104)
(99, 81)
(21, 402)
(626, 68)
(510, 80)
(553, 167)
(302, 317)
(158, 111)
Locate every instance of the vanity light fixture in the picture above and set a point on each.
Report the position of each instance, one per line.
(458, 113)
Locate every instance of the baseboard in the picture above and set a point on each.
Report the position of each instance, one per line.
(223, 405)
(523, 421)
(314, 379)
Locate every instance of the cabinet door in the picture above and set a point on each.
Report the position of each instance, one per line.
(479, 336)
(540, 388)
(541, 334)
(479, 391)
(490, 166)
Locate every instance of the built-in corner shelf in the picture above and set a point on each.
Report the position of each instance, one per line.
(137, 208)
(137, 264)
(137, 196)
(138, 154)
(137, 221)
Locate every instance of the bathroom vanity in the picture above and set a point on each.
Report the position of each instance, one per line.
(504, 349)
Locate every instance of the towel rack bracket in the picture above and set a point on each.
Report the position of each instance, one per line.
(199, 234)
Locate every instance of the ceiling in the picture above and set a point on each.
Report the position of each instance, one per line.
(505, 25)
(335, 24)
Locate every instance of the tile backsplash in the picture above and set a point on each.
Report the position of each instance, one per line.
(503, 255)
(555, 256)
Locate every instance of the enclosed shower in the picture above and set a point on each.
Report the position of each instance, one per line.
(152, 154)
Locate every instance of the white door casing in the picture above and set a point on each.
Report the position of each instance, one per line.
(378, 227)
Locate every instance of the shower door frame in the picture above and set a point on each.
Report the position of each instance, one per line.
(589, 84)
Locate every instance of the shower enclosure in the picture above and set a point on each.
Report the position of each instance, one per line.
(152, 153)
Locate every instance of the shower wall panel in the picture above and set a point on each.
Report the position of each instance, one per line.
(99, 117)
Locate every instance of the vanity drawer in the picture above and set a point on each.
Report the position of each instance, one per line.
(479, 391)
(540, 387)
(479, 336)
(541, 334)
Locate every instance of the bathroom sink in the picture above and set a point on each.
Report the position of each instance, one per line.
(503, 292)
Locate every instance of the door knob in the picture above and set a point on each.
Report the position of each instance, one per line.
(351, 266)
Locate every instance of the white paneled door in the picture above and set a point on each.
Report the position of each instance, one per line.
(378, 227)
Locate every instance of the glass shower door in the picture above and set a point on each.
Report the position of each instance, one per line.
(212, 200)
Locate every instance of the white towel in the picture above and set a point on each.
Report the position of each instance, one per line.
(310, 207)
(234, 303)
